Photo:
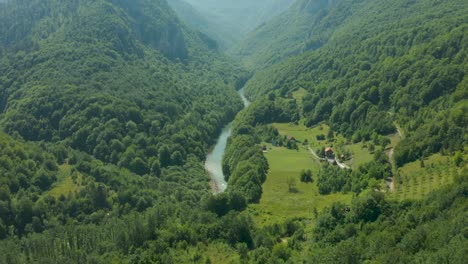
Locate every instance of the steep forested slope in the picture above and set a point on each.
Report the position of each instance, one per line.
(110, 106)
(306, 25)
(228, 21)
(107, 109)
(382, 65)
(378, 66)
(90, 73)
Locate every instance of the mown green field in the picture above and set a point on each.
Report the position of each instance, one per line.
(277, 202)
(300, 132)
(360, 155)
(299, 95)
(359, 151)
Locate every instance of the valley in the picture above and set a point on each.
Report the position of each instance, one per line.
(270, 131)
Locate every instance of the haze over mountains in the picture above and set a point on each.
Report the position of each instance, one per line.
(228, 22)
(305, 25)
(108, 109)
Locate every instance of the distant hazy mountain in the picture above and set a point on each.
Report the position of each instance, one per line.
(205, 23)
(228, 21)
(303, 26)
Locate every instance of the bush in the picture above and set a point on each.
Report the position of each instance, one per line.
(320, 137)
(306, 176)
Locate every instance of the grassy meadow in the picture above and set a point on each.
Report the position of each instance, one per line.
(278, 203)
(359, 151)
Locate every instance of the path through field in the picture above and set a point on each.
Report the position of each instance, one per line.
(391, 180)
(341, 165)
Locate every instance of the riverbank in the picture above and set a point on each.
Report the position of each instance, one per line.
(214, 159)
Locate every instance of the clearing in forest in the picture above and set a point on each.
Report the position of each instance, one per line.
(278, 202)
(67, 182)
(359, 153)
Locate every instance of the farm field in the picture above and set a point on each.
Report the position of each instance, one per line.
(278, 203)
(359, 152)
(415, 180)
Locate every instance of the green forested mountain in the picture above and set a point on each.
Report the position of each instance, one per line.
(306, 25)
(111, 71)
(382, 66)
(378, 231)
(366, 69)
(108, 109)
(228, 21)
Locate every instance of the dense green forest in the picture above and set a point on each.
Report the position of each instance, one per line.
(364, 78)
(108, 109)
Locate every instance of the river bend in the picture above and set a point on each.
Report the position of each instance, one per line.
(214, 159)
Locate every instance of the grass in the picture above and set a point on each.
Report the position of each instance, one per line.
(414, 181)
(65, 183)
(220, 253)
(301, 132)
(360, 154)
(278, 203)
(299, 94)
(394, 140)
(214, 252)
(400, 129)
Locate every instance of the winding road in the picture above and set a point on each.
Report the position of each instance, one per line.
(391, 180)
(342, 165)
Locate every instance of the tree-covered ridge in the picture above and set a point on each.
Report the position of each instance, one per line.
(119, 102)
(97, 82)
(384, 66)
(204, 22)
(110, 107)
(117, 23)
(108, 213)
(306, 25)
(25, 169)
(46, 186)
